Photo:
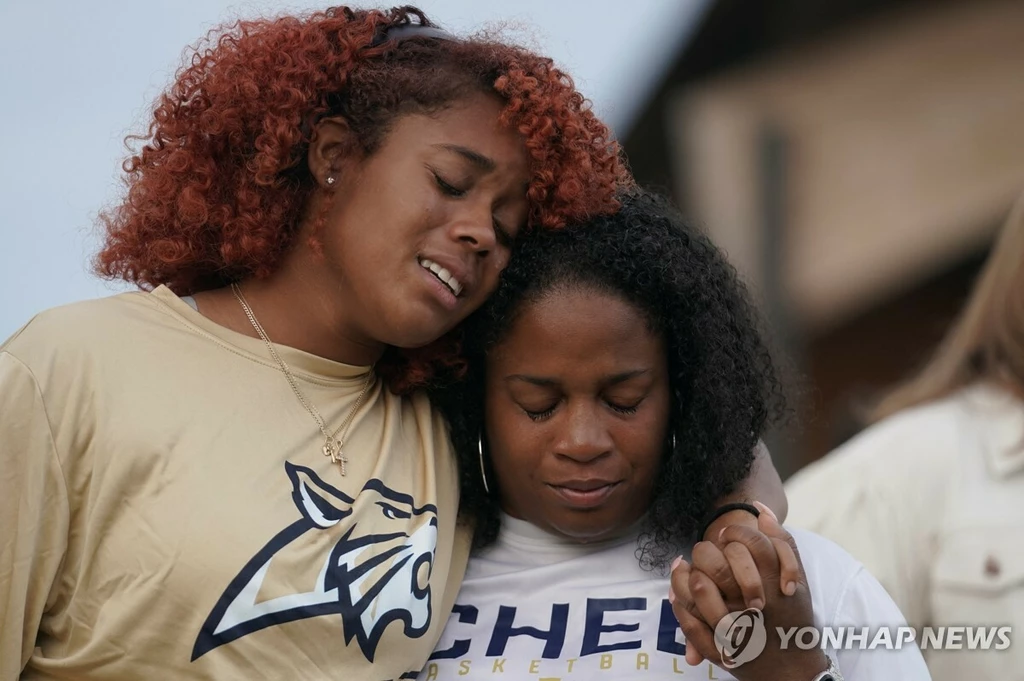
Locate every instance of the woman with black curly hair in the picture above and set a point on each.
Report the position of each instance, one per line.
(617, 386)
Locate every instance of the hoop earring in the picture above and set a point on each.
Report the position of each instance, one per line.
(483, 472)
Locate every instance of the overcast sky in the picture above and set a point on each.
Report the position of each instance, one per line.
(75, 80)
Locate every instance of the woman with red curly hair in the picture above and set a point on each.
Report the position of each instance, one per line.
(228, 474)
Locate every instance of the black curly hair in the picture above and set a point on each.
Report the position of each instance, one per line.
(725, 390)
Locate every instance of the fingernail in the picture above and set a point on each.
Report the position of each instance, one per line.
(720, 533)
(790, 588)
(757, 603)
(671, 595)
(764, 509)
(676, 562)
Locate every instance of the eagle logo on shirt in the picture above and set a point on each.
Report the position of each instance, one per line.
(371, 572)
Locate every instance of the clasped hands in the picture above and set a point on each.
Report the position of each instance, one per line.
(745, 562)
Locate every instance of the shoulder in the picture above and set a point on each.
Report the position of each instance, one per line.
(829, 567)
(917, 433)
(853, 493)
(842, 589)
(919, 441)
(79, 329)
(83, 319)
(924, 447)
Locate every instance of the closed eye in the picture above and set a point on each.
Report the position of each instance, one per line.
(625, 403)
(539, 415)
(624, 409)
(447, 187)
(502, 235)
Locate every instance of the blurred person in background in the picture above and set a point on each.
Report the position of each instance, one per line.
(931, 497)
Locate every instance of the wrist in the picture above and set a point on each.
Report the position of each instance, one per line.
(725, 515)
(810, 667)
(831, 672)
(792, 665)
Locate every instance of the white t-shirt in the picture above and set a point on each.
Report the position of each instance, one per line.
(538, 607)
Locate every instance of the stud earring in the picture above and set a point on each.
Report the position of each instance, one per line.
(330, 180)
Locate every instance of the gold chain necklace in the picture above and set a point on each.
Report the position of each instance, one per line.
(332, 443)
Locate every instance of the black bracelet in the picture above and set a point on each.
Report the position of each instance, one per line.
(722, 510)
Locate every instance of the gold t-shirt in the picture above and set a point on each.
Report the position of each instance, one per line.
(166, 511)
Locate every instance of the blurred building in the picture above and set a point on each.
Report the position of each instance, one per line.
(854, 158)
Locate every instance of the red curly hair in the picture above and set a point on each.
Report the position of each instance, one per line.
(219, 188)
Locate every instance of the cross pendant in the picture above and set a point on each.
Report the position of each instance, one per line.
(332, 448)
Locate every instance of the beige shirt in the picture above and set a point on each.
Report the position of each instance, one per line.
(166, 511)
(931, 500)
